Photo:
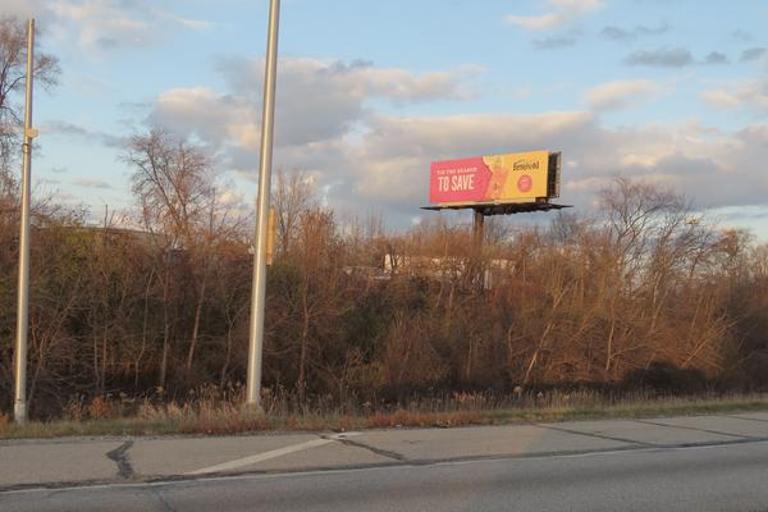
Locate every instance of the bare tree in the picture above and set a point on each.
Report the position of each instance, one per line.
(173, 182)
(13, 58)
(293, 194)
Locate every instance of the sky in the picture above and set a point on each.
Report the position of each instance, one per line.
(369, 92)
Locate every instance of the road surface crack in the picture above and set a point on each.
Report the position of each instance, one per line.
(158, 494)
(596, 435)
(120, 456)
(695, 429)
(745, 418)
(378, 451)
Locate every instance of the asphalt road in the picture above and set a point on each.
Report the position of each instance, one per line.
(724, 477)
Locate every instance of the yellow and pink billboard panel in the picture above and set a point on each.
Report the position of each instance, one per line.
(506, 178)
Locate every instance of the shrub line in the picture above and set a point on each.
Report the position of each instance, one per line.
(230, 420)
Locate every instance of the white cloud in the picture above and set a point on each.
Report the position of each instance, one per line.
(721, 98)
(712, 167)
(393, 158)
(564, 11)
(752, 95)
(447, 136)
(621, 94)
(201, 111)
(362, 159)
(105, 24)
(545, 21)
(578, 5)
(317, 100)
(324, 109)
(191, 23)
(356, 79)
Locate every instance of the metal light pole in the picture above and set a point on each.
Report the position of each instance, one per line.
(22, 314)
(259, 287)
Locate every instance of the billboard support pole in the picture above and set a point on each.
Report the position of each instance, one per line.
(260, 256)
(478, 240)
(478, 231)
(22, 313)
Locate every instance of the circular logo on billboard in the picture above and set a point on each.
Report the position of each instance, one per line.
(524, 183)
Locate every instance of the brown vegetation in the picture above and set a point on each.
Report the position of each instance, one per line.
(211, 411)
(646, 295)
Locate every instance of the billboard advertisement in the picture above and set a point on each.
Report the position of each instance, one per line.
(505, 178)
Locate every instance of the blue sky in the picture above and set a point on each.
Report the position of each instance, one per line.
(671, 91)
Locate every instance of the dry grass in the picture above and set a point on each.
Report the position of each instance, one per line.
(210, 412)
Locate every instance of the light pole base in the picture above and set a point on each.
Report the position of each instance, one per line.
(252, 409)
(20, 413)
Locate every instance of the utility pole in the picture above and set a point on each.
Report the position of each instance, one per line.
(259, 286)
(22, 313)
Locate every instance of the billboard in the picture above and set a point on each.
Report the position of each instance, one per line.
(505, 178)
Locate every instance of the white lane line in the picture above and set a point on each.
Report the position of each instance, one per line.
(272, 454)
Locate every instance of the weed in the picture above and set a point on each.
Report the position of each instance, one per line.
(210, 412)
